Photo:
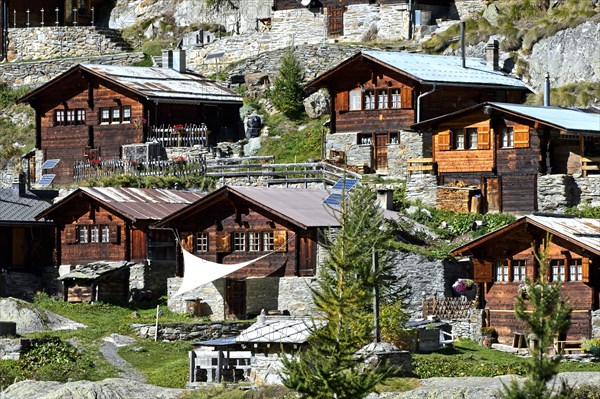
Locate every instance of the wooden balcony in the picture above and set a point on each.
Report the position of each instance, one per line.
(424, 165)
(179, 135)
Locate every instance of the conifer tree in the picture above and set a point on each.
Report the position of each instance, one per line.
(546, 315)
(330, 367)
(287, 93)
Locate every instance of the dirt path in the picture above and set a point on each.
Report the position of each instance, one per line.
(109, 351)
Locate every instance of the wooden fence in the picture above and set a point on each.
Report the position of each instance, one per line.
(447, 308)
(104, 168)
(185, 136)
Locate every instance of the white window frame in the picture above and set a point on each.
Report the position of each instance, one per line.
(369, 99)
(472, 136)
(576, 270)
(105, 233)
(519, 267)
(508, 137)
(558, 269)
(383, 99)
(253, 241)
(459, 139)
(94, 233)
(502, 271)
(355, 100)
(83, 234)
(202, 242)
(239, 241)
(269, 241)
(396, 98)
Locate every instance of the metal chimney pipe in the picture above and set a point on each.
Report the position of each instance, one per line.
(547, 90)
(462, 44)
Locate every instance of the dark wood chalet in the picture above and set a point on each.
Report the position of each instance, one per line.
(238, 224)
(102, 231)
(498, 149)
(25, 244)
(88, 113)
(503, 259)
(376, 94)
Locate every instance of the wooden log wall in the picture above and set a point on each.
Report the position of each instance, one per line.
(86, 214)
(69, 143)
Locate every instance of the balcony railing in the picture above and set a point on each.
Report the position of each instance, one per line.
(179, 135)
(178, 166)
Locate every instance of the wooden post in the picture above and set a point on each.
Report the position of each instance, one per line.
(376, 299)
(156, 326)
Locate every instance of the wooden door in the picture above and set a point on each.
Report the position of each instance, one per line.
(381, 152)
(493, 194)
(335, 19)
(235, 299)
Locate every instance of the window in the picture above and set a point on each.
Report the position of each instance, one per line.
(355, 100)
(115, 115)
(64, 117)
(508, 137)
(396, 98)
(502, 270)
(459, 139)
(94, 234)
(268, 241)
(370, 99)
(239, 241)
(105, 233)
(519, 269)
(254, 242)
(382, 99)
(575, 270)
(472, 136)
(558, 269)
(83, 234)
(202, 242)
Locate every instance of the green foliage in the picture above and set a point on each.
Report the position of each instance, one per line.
(392, 319)
(54, 360)
(291, 144)
(287, 92)
(546, 315)
(195, 181)
(15, 140)
(585, 211)
(585, 392)
(221, 392)
(591, 345)
(330, 367)
(572, 95)
(9, 373)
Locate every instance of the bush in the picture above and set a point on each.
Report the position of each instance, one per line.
(9, 373)
(287, 93)
(591, 346)
(585, 392)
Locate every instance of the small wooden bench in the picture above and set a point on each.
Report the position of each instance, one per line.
(561, 347)
(590, 164)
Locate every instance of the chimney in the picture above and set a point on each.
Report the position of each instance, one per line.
(492, 54)
(547, 90)
(462, 44)
(385, 197)
(18, 185)
(179, 60)
(167, 59)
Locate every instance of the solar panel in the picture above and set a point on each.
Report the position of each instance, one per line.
(50, 163)
(345, 184)
(335, 199)
(46, 180)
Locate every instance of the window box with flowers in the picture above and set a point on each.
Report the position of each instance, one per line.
(96, 163)
(139, 123)
(465, 287)
(178, 128)
(179, 160)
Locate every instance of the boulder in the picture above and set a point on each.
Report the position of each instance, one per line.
(317, 104)
(256, 79)
(29, 319)
(491, 14)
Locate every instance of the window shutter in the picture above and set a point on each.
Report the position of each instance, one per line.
(113, 231)
(521, 136)
(342, 102)
(482, 272)
(71, 234)
(443, 140)
(187, 241)
(406, 97)
(280, 240)
(585, 270)
(483, 137)
(223, 243)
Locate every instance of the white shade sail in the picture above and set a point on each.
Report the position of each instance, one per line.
(198, 271)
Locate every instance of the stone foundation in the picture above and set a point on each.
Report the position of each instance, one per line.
(148, 280)
(191, 331)
(596, 324)
(557, 192)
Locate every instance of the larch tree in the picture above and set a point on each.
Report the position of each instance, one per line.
(330, 367)
(287, 92)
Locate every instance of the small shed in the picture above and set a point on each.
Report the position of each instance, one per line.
(97, 281)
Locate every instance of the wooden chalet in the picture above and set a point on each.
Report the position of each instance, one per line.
(238, 224)
(503, 259)
(376, 94)
(102, 231)
(23, 14)
(88, 113)
(25, 244)
(498, 149)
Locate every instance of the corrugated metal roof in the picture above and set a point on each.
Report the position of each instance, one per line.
(305, 206)
(566, 118)
(445, 69)
(279, 329)
(583, 230)
(166, 83)
(143, 203)
(20, 209)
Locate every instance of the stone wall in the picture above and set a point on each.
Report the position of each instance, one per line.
(387, 21)
(468, 327)
(596, 324)
(37, 73)
(211, 295)
(191, 331)
(557, 192)
(464, 8)
(44, 43)
(148, 280)
(422, 187)
(19, 284)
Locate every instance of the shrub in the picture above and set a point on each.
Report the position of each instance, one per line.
(585, 392)
(591, 346)
(287, 93)
(9, 373)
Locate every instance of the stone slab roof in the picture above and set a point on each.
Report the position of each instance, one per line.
(16, 209)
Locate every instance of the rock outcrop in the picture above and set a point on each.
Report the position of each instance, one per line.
(29, 319)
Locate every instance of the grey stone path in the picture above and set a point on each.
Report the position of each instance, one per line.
(109, 350)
